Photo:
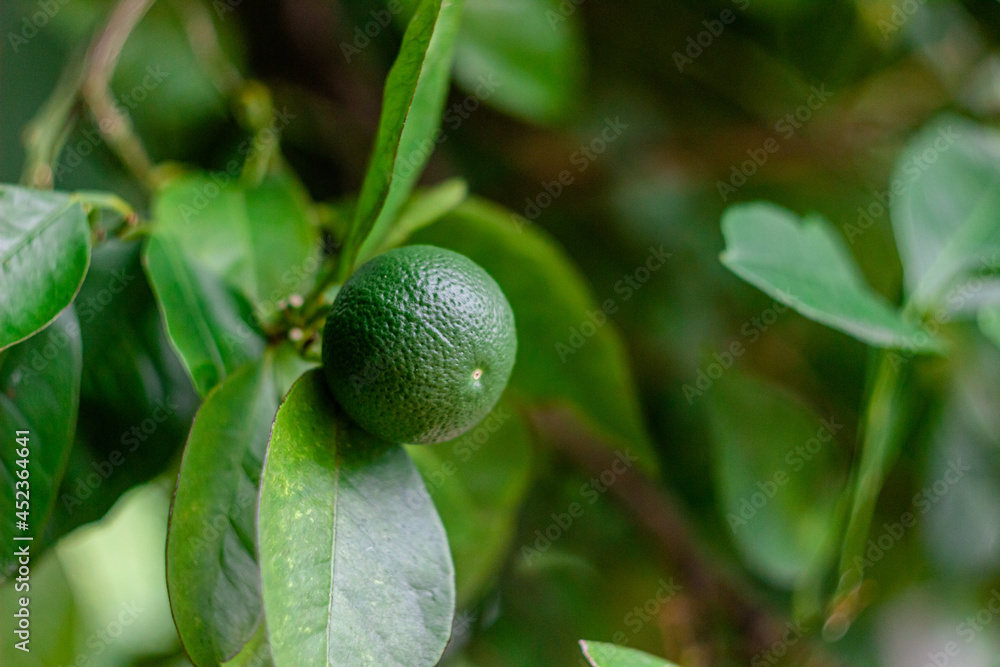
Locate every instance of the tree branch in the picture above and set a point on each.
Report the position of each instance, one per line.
(88, 83)
(710, 582)
(115, 126)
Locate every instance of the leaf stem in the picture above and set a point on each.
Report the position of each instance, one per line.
(315, 302)
(102, 58)
(46, 133)
(255, 112)
(86, 83)
(882, 429)
(108, 201)
(204, 41)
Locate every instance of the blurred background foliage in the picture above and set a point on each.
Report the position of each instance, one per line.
(564, 71)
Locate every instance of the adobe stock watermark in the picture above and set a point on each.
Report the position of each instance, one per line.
(795, 460)
(87, 309)
(72, 156)
(785, 127)
(910, 173)
(966, 633)
(32, 23)
(100, 641)
(950, 302)
(459, 112)
(463, 622)
(698, 44)
(235, 339)
(590, 492)
(902, 12)
(223, 7)
(558, 16)
(130, 440)
(779, 648)
(580, 160)
(751, 331)
(642, 614)
(921, 503)
(363, 35)
(462, 450)
(248, 150)
(453, 117)
(970, 627)
(56, 340)
(625, 288)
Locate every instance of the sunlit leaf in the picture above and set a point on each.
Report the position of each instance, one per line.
(354, 559)
(945, 204)
(415, 92)
(44, 253)
(805, 265)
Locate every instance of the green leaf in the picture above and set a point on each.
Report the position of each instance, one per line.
(39, 399)
(550, 300)
(600, 654)
(208, 324)
(959, 531)
(256, 652)
(989, 323)
(884, 429)
(136, 401)
(806, 265)
(212, 572)
(44, 253)
(523, 57)
(779, 474)
(354, 559)
(478, 482)
(973, 249)
(262, 240)
(944, 213)
(414, 97)
(423, 208)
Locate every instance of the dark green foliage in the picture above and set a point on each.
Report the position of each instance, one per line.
(695, 308)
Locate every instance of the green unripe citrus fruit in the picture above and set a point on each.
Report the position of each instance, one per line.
(419, 345)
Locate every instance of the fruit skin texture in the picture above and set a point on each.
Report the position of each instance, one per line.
(419, 345)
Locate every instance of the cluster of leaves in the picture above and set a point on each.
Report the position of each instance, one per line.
(205, 316)
(948, 239)
(114, 337)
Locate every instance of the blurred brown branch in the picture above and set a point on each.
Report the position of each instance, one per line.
(87, 83)
(711, 584)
